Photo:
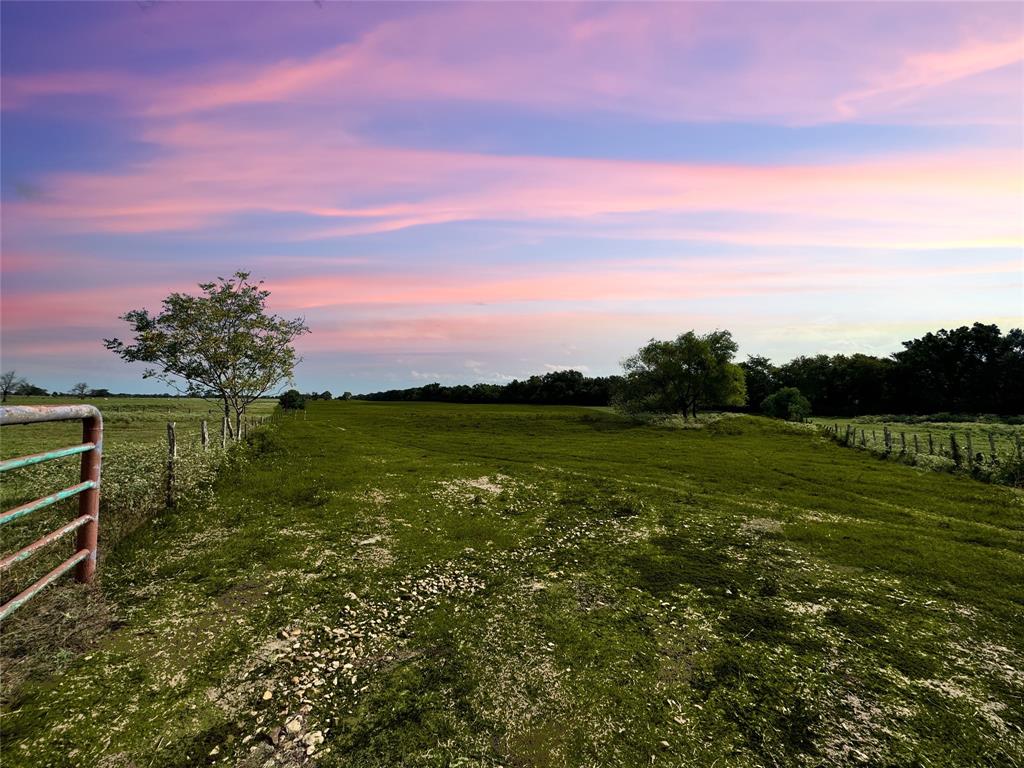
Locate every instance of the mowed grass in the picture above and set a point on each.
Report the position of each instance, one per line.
(442, 585)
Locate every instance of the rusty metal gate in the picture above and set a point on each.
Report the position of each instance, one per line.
(86, 524)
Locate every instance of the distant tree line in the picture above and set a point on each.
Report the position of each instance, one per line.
(975, 369)
(556, 388)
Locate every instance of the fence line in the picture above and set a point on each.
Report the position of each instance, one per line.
(204, 439)
(962, 454)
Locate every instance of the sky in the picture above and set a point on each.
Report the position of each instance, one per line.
(481, 191)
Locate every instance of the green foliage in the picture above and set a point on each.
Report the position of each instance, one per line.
(760, 378)
(292, 400)
(222, 342)
(678, 376)
(787, 403)
(567, 387)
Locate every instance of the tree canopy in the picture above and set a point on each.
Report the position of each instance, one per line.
(222, 344)
(680, 375)
(787, 403)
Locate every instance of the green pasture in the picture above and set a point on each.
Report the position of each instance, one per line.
(402, 584)
(126, 420)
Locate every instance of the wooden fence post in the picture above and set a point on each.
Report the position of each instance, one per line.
(917, 447)
(903, 443)
(954, 449)
(172, 454)
(931, 445)
(863, 438)
(992, 448)
(887, 440)
(970, 450)
(847, 439)
(204, 436)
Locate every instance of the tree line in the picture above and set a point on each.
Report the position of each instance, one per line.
(556, 388)
(971, 369)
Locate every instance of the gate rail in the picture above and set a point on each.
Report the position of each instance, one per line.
(88, 491)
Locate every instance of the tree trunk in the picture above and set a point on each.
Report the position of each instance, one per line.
(227, 421)
(239, 415)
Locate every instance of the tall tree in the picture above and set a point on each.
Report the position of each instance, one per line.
(681, 375)
(761, 378)
(10, 382)
(222, 345)
(80, 389)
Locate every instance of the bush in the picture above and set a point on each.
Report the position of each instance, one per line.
(787, 403)
(292, 400)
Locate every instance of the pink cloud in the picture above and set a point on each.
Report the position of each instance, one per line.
(645, 60)
(208, 174)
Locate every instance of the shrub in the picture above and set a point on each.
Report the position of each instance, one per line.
(787, 403)
(292, 400)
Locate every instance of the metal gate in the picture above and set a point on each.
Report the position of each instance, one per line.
(87, 523)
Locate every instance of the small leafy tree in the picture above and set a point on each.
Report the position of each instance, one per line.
(345, 396)
(787, 404)
(683, 374)
(80, 389)
(10, 382)
(292, 400)
(222, 342)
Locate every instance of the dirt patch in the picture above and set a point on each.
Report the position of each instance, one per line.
(761, 525)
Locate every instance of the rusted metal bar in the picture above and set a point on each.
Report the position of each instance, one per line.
(35, 546)
(21, 598)
(45, 501)
(89, 502)
(39, 458)
(31, 414)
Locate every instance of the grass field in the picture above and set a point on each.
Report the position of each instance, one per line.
(431, 585)
(127, 421)
(1004, 436)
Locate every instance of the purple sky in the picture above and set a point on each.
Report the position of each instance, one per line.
(476, 192)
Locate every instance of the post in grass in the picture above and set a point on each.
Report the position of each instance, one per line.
(992, 448)
(903, 443)
(931, 445)
(204, 436)
(970, 450)
(954, 449)
(172, 454)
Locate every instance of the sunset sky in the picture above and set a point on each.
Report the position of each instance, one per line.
(476, 192)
